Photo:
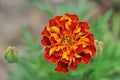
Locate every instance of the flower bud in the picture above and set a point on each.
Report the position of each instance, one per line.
(11, 55)
(99, 46)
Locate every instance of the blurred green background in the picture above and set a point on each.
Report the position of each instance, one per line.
(32, 15)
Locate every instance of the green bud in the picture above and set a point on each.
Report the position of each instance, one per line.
(11, 55)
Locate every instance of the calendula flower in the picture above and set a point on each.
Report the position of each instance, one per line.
(68, 42)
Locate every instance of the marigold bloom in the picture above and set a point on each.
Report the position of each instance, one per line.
(67, 42)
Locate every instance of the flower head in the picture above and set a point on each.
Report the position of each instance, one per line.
(67, 42)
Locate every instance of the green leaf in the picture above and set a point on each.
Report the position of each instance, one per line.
(27, 34)
(116, 25)
(107, 16)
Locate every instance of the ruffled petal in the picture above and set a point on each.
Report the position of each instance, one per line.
(48, 57)
(61, 67)
(90, 37)
(72, 17)
(74, 64)
(45, 32)
(46, 54)
(54, 59)
(85, 58)
(53, 41)
(84, 26)
(45, 41)
(73, 26)
(53, 22)
(58, 53)
(80, 48)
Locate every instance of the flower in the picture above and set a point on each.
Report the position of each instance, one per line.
(67, 42)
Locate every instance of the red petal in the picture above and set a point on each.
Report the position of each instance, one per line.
(53, 59)
(45, 32)
(53, 41)
(72, 52)
(58, 53)
(45, 41)
(52, 22)
(84, 26)
(90, 37)
(86, 58)
(74, 65)
(93, 49)
(64, 61)
(73, 26)
(46, 55)
(72, 17)
(62, 67)
(63, 22)
(79, 49)
(58, 17)
(77, 61)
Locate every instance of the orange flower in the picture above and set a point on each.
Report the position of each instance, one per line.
(67, 42)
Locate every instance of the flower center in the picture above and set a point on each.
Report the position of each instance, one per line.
(66, 40)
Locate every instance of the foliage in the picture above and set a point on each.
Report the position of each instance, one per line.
(106, 67)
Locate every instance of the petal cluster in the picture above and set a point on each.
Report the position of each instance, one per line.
(68, 42)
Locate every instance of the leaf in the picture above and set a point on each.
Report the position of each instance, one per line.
(107, 16)
(116, 25)
(27, 34)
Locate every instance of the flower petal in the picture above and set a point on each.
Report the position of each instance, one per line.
(54, 59)
(65, 55)
(58, 53)
(55, 29)
(52, 22)
(72, 67)
(45, 41)
(72, 52)
(93, 49)
(77, 61)
(64, 61)
(73, 26)
(85, 57)
(76, 55)
(74, 64)
(84, 26)
(51, 58)
(55, 36)
(72, 17)
(46, 54)
(53, 41)
(79, 49)
(45, 32)
(58, 17)
(62, 67)
(52, 50)
(90, 37)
